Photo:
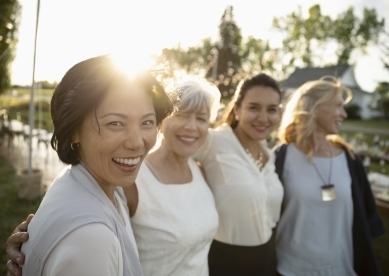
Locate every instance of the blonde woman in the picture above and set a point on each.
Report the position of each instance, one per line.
(329, 215)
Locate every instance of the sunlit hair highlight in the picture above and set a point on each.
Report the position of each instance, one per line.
(193, 95)
(298, 119)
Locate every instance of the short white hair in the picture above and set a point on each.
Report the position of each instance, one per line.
(194, 94)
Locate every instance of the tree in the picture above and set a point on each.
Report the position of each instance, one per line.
(195, 59)
(353, 33)
(227, 60)
(306, 39)
(9, 22)
(385, 50)
(382, 90)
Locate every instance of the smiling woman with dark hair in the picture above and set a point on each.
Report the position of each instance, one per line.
(239, 168)
(104, 125)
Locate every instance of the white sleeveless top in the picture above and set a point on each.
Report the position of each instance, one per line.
(174, 224)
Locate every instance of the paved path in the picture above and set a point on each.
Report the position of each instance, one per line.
(46, 159)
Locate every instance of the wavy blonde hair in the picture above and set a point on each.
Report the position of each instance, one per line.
(298, 119)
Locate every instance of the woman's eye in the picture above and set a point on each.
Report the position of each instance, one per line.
(149, 123)
(253, 108)
(202, 119)
(115, 123)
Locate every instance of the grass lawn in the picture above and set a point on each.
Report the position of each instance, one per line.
(12, 210)
(27, 91)
(367, 123)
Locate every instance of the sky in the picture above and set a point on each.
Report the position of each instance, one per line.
(74, 30)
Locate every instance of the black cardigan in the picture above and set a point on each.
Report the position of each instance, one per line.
(367, 223)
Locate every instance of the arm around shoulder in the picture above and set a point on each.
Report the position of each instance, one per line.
(92, 249)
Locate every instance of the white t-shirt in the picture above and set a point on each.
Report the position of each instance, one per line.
(100, 254)
(248, 200)
(174, 224)
(314, 237)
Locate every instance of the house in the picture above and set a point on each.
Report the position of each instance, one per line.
(365, 100)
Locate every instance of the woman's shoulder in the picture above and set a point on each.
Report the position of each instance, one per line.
(222, 133)
(84, 250)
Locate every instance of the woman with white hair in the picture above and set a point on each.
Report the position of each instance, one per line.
(173, 212)
(329, 215)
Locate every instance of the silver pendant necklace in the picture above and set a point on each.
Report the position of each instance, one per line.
(328, 192)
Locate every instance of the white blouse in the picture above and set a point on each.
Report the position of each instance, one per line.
(248, 200)
(174, 224)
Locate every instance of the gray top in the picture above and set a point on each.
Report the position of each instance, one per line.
(314, 237)
(73, 200)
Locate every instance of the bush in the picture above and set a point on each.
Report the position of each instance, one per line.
(353, 111)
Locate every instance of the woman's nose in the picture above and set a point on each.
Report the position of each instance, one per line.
(134, 140)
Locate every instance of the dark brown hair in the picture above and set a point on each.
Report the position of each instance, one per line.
(257, 80)
(81, 91)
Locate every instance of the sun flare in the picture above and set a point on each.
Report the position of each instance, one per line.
(132, 62)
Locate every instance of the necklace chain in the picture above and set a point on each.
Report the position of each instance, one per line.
(330, 174)
(258, 162)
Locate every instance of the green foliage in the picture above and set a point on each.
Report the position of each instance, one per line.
(385, 50)
(18, 107)
(382, 90)
(307, 38)
(12, 209)
(195, 59)
(228, 56)
(47, 85)
(9, 22)
(353, 33)
(228, 46)
(236, 57)
(301, 35)
(353, 111)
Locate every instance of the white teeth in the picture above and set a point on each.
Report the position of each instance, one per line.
(127, 161)
(188, 139)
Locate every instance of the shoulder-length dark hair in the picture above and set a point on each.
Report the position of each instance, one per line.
(81, 91)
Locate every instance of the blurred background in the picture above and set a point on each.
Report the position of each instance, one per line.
(292, 40)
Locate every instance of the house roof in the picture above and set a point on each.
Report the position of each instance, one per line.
(302, 75)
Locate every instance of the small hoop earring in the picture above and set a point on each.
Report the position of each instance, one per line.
(74, 146)
(236, 118)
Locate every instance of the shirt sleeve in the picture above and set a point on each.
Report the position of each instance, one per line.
(201, 154)
(92, 249)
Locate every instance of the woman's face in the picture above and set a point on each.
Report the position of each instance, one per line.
(185, 132)
(329, 116)
(115, 139)
(259, 113)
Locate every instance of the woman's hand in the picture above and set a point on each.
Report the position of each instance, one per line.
(13, 246)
